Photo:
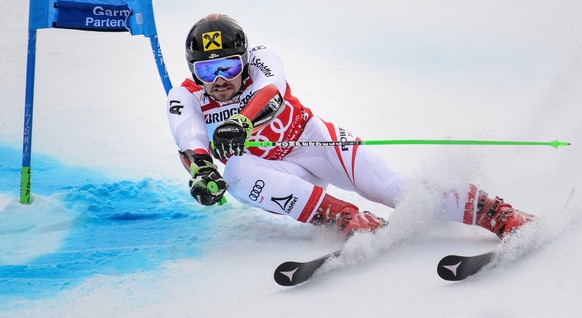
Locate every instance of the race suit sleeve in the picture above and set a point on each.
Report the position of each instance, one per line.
(266, 67)
(266, 70)
(187, 121)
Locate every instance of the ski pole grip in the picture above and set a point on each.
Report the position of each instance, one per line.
(213, 187)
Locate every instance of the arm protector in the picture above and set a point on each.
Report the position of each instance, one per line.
(264, 106)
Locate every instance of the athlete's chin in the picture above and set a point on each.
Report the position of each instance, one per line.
(223, 95)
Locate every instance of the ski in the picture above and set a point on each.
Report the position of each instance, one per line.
(294, 273)
(455, 268)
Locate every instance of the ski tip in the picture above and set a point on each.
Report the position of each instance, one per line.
(448, 268)
(294, 273)
(456, 268)
(287, 274)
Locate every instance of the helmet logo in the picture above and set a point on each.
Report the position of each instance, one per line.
(212, 40)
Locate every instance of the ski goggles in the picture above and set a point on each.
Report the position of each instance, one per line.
(227, 67)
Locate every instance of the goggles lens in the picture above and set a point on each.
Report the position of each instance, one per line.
(227, 67)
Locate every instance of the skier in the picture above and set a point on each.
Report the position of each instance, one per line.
(239, 93)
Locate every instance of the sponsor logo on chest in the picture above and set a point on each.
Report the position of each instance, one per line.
(218, 115)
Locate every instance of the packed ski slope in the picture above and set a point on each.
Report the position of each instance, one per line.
(112, 231)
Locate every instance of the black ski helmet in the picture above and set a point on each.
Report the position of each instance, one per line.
(215, 36)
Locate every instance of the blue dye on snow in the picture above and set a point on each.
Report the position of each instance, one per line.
(119, 227)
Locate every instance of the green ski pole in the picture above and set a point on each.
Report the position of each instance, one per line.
(554, 143)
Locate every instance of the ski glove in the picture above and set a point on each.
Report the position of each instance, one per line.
(230, 136)
(207, 185)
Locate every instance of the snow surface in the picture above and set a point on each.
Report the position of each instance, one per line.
(112, 231)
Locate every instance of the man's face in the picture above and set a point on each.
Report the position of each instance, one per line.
(222, 90)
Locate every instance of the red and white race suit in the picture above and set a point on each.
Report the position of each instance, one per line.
(290, 181)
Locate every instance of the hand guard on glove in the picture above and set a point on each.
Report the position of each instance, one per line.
(207, 185)
(230, 136)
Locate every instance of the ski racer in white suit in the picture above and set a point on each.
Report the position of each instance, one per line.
(239, 94)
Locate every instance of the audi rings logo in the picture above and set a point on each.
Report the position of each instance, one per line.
(257, 189)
